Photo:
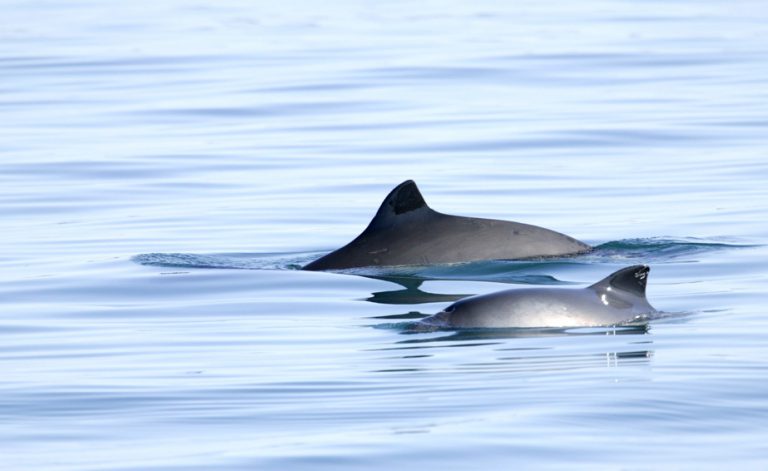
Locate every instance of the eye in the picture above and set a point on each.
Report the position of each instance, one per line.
(450, 308)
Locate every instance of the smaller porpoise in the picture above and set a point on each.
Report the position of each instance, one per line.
(405, 231)
(617, 299)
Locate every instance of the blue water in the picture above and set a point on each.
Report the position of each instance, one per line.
(165, 168)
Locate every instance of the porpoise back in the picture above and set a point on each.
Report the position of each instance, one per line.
(406, 231)
(617, 299)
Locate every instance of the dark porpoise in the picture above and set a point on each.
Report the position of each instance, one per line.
(618, 299)
(405, 231)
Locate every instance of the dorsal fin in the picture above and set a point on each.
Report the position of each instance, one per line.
(632, 279)
(404, 198)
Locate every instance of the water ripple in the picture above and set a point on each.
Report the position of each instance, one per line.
(639, 250)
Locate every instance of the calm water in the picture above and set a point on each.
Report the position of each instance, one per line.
(166, 166)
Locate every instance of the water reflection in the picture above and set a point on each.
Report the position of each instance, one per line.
(498, 271)
(515, 349)
(503, 334)
(411, 294)
(409, 285)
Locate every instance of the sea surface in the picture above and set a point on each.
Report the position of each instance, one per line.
(167, 167)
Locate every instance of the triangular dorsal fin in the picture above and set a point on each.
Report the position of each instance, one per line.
(403, 199)
(631, 279)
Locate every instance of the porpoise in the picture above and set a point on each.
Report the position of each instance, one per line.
(405, 231)
(615, 300)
